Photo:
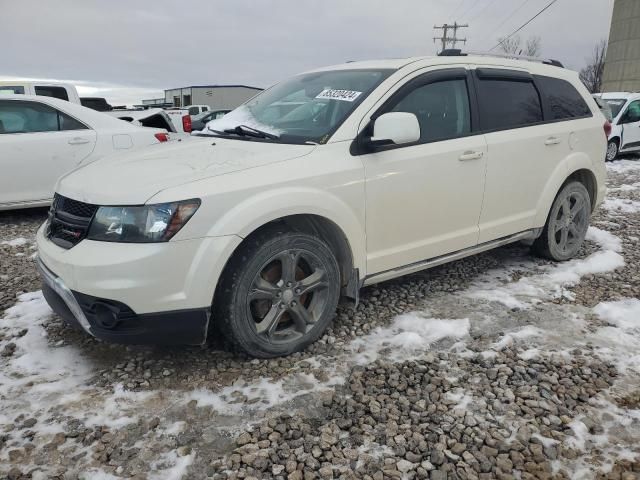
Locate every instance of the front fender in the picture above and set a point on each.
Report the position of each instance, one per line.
(264, 207)
(572, 163)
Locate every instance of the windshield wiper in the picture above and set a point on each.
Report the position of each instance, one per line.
(244, 130)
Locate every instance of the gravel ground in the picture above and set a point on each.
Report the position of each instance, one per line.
(497, 366)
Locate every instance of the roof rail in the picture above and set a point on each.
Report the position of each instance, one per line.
(455, 52)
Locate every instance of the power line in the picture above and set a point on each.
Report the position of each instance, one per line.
(456, 9)
(482, 10)
(473, 5)
(524, 25)
(509, 17)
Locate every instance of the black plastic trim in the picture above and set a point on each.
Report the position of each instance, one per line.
(503, 74)
(177, 327)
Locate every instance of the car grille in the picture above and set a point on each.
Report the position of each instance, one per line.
(69, 221)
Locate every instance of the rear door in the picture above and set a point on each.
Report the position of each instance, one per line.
(523, 150)
(38, 144)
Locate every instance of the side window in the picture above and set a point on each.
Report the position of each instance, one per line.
(632, 115)
(32, 117)
(11, 89)
(70, 123)
(193, 110)
(442, 109)
(506, 104)
(55, 92)
(205, 109)
(564, 100)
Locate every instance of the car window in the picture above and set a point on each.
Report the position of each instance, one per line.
(11, 89)
(205, 109)
(30, 117)
(193, 110)
(615, 104)
(522, 108)
(55, 92)
(70, 123)
(632, 114)
(442, 109)
(564, 100)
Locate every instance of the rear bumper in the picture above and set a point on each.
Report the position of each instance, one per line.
(115, 322)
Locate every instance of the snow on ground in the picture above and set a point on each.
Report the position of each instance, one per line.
(519, 305)
(16, 242)
(552, 281)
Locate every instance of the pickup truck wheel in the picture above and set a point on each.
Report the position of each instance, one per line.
(566, 225)
(612, 150)
(278, 294)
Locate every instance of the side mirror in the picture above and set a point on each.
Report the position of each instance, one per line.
(395, 128)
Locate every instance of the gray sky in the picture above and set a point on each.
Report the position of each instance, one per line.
(127, 50)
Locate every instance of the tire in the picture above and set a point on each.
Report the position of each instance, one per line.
(278, 293)
(612, 150)
(567, 224)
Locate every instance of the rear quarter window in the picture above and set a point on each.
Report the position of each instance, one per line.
(565, 102)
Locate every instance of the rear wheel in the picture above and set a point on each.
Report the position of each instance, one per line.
(278, 294)
(566, 225)
(612, 150)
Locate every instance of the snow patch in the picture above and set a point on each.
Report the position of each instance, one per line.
(240, 116)
(553, 280)
(408, 337)
(621, 205)
(16, 242)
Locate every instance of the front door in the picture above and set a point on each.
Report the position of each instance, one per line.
(424, 199)
(630, 121)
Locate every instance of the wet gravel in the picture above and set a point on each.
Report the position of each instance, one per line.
(452, 413)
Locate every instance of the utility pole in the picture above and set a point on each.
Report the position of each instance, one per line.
(446, 39)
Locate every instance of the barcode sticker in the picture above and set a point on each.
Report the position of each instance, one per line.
(342, 95)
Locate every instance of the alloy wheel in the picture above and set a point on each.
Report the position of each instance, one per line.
(288, 296)
(570, 223)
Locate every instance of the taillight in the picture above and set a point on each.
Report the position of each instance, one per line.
(607, 128)
(186, 123)
(162, 137)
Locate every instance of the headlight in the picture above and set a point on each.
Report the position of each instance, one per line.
(141, 224)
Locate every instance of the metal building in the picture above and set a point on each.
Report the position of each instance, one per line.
(622, 65)
(218, 97)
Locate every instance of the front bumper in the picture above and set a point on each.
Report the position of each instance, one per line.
(135, 293)
(115, 322)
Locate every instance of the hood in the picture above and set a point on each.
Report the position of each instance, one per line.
(132, 178)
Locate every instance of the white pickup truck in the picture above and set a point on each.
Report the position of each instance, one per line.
(63, 91)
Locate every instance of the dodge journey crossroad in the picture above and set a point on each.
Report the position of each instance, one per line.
(256, 226)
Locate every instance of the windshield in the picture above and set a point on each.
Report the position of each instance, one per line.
(615, 104)
(306, 108)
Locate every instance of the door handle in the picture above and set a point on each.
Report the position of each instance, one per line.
(466, 156)
(552, 141)
(78, 141)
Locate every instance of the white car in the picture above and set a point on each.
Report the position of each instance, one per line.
(382, 168)
(41, 138)
(625, 126)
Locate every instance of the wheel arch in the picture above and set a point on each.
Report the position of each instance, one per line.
(305, 210)
(577, 167)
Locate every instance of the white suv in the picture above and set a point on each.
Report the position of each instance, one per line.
(332, 180)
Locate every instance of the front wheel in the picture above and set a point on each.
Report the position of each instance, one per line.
(612, 150)
(566, 225)
(278, 294)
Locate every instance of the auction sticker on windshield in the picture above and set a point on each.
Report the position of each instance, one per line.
(343, 95)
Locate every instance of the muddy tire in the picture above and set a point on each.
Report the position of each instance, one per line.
(566, 225)
(278, 294)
